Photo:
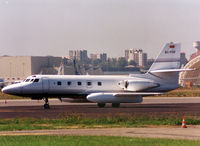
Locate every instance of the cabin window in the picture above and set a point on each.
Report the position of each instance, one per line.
(36, 80)
(59, 83)
(69, 83)
(32, 80)
(79, 83)
(89, 83)
(99, 83)
(27, 80)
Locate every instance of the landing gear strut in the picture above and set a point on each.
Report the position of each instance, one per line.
(46, 105)
(115, 105)
(101, 105)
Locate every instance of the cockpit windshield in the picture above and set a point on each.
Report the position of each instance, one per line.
(31, 79)
(36, 80)
(27, 80)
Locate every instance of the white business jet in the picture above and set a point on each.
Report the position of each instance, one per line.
(161, 77)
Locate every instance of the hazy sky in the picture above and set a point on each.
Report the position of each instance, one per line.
(52, 27)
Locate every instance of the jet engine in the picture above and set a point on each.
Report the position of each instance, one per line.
(130, 85)
(114, 98)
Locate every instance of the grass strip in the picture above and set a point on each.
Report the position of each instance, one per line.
(184, 92)
(75, 121)
(90, 140)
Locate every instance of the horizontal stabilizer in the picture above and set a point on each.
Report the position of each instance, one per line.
(171, 70)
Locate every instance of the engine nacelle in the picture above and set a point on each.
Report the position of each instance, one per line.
(135, 86)
(112, 98)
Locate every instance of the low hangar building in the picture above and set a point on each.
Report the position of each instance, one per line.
(14, 68)
(191, 78)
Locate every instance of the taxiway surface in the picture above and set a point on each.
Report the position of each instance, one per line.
(151, 106)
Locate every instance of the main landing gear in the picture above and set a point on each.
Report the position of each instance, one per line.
(101, 105)
(46, 105)
(115, 105)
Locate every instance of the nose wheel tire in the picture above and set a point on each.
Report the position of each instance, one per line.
(46, 106)
(101, 105)
(115, 105)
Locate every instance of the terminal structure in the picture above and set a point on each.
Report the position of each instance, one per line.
(192, 78)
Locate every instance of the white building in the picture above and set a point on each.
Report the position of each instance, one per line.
(136, 55)
(80, 55)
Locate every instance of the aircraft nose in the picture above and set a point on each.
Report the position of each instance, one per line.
(12, 90)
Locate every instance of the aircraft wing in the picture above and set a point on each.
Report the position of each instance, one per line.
(121, 97)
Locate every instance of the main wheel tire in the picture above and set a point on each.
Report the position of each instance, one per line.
(101, 105)
(46, 106)
(115, 105)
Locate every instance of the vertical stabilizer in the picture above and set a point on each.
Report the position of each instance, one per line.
(169, 58)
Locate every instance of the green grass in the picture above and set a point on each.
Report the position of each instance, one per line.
(83, 122)
(184, 92)
(89, 140)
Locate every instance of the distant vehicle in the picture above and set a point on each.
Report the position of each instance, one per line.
(161, 77)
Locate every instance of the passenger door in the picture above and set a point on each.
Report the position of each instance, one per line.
(45, 85)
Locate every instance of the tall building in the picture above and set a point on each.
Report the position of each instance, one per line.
(142, 59)
(136, 55)
(101, 56)
(127, 54)
(93, 56)
(80, 55)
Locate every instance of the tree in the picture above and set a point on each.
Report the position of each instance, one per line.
(122, 62)
(96, 62)
(132, 62)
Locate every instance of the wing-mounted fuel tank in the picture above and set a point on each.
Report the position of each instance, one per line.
(114, 98)
(130, 85)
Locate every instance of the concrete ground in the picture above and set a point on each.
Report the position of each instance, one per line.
(191, 133)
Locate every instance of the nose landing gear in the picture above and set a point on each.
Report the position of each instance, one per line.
(46, 105)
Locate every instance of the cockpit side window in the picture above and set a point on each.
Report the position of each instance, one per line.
(36, 80)
(59, 83)
(69, 83)
(27, 80)
(99, 83)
